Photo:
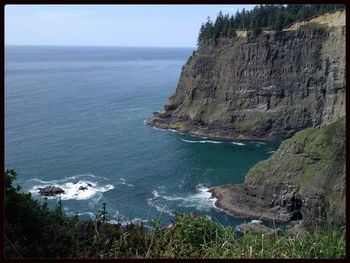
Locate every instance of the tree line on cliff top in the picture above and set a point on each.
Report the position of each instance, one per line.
(262, 17)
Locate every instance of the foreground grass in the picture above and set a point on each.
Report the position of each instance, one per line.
(34, 231)
(196, 237)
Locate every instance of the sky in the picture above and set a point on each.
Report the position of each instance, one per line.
(109, 25)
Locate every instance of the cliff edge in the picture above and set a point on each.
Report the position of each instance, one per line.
(303, 180)
(265, 87)
(277, 85)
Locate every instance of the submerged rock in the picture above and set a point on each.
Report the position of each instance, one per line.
(50, 191)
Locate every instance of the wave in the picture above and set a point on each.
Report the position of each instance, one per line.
(207, 141)
(258, 144)
(66, 179)
(200, 200)
(123, 182)
(73, 189)
(271, 152)
(161, 129)
(124, 222)
(153, 202)
(238, 143)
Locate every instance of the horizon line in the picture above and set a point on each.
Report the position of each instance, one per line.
(117, 46)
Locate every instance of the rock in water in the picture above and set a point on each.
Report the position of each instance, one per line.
(50, 191)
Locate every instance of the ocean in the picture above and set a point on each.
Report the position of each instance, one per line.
(74, 117)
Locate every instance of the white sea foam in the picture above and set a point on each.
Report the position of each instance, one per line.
(73, 187)
(155, 193)
(201, 199)
(158, 129)
(125, 221)
(271, 152)
(207, 141)
(154, 202)
(163, 209)
(123, 182)
(254, 221)
(238, 143)
(66, 179)
(260, 143)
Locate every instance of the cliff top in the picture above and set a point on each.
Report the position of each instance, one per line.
(331, 19)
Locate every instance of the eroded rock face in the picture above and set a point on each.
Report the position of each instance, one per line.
(267, 87)
(303, 180)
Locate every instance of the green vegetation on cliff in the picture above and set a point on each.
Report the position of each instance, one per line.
(267, 17)
(313, 161)
(34, 231)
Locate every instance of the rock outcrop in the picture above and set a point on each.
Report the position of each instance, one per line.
(266, 87)
(270, 87)
(50, 191)
(303, 180)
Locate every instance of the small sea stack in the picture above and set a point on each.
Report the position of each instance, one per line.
(50, 191)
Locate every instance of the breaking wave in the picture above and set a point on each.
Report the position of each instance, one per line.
(123, 182)
(79, 187)
(238, 143)
(206, 141)
(200, 200)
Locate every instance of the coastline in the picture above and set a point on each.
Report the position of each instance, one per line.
(235, 200)
(190, 128)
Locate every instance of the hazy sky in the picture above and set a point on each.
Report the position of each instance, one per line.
(109, 25)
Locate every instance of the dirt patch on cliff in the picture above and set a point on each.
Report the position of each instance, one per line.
(330, 19)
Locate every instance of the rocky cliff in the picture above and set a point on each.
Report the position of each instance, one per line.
(273, 86)
(304, 179)
(263, 87)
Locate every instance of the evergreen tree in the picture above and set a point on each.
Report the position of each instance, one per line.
(102, 213)
(218, 25)
(267, 17)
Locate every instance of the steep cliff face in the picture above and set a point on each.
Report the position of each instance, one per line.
(304, 179)
(264, 87)
(271, 87)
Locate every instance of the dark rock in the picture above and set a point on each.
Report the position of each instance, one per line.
(50, 191)
(83, 188)
(298, 189)
(89, 185)
(296, 215)
(267, 88)
(264, 88)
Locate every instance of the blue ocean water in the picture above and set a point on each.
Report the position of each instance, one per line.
(74, 116)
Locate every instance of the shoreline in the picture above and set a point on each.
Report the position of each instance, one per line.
(235, 200)
(232, 199)
(188, 128)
